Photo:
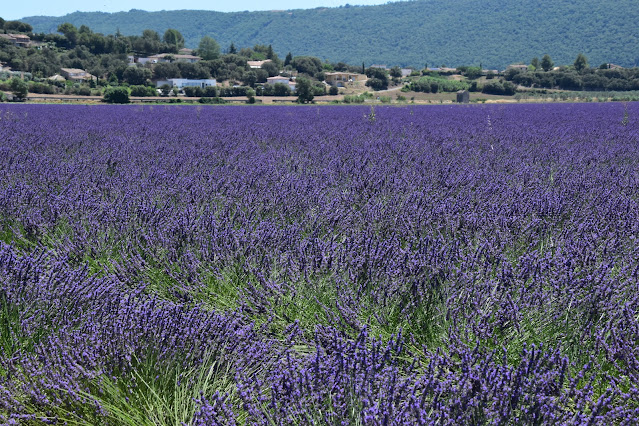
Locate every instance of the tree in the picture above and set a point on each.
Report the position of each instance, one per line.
(377, 78)
(208, 49)
(307, 64)
(232, 49)
(19, 88)
(288, 59)
(174, 38)
(136, 75)
(304, 90)
(535, 63)
(472, 73)
(581, 63)
(195, 71)
(333, 91)
(70, 32)
(166, 89)
(165, 70)
(116, 95)
(17, 26)
(151, 35)
(271, 68)
(547, 63)
(249, 78)
(396, 72)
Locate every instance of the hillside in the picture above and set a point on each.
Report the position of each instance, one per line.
(490, 32)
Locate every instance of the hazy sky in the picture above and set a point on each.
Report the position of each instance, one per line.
(12, 9)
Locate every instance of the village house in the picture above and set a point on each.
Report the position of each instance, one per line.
(17, 39)
(341, 79)
(169, 57)
(282, 80)
(76, 74)
(406, 72)
(257, 64)
(443, 69)
(519, 67)
(181, 83)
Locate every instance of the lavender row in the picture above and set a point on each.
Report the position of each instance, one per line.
(492, 248)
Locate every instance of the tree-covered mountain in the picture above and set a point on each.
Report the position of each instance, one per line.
(493, 33)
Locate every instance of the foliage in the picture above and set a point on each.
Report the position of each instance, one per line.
(19, 88)
(535, 63)
(377, 78)
(581, 63)
(588, 79)
(494, 34)
(547, 63)
(16, 26)
(208, 49)
(174, 38)
(497, 87)
(143, 91)
(277, 89)
(470, 72)
(212, 100)
(137, 75)
(430, 84)
(307, 65)
(304, 90)
(116, 95)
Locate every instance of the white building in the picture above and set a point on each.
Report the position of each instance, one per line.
(281, 80)
(181, 83)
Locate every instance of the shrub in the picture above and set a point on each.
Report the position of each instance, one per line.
(116, 95)
(216, 100)
(143, 91)
(19, 88)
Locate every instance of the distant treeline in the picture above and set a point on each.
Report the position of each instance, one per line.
(408, 33)
(571, 79)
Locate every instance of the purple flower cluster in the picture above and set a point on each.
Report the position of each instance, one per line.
(319, 265)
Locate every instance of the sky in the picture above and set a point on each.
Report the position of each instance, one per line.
(19, 9)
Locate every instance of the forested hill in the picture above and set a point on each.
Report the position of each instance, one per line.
(494, 33)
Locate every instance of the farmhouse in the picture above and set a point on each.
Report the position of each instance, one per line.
(76, 74)
(257, 64)
(520, 67)
(181, 83)
(17, 39)
(165, 57)
(281, 80)
(341, 79)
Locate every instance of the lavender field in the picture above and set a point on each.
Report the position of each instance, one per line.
(167, 265)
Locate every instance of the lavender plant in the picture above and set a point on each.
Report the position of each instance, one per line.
(309, 265)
